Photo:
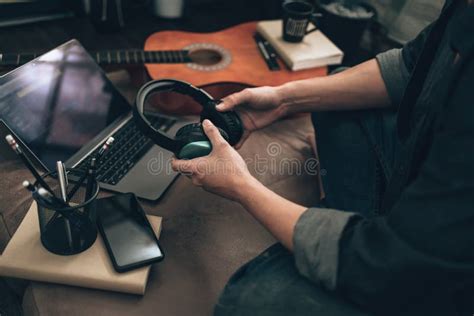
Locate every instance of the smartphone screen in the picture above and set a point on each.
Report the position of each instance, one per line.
(128, 236)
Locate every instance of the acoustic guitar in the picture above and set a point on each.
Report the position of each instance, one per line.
(230, 55)
(222, 63)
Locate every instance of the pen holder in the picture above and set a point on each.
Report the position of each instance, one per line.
(68, 230)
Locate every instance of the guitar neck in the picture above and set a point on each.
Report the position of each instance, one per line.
(110, 57)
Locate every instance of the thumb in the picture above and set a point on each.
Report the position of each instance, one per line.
(212, 132)
(233, 100)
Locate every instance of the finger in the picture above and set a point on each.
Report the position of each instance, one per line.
(185, 166)
(196, 181)
(312, 141)
(231, 101)
(213, 133)
(244, 137)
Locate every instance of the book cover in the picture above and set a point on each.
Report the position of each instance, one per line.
(315, 50)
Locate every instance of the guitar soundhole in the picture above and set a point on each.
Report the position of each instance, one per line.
(205, 57)
(208, 57)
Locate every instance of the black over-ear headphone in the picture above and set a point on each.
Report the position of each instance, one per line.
(190, 140)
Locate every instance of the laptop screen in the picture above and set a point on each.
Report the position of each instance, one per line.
(59, 102)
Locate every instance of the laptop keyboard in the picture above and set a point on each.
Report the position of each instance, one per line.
(129, 146)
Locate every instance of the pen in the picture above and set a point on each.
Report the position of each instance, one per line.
(105, 147)
(90, 181)
(13, 144)
(69, 217)
(27, 185)
(99, 155)
(77, 186)
(49, 199)
(268, 55)
(272, 53)
(34, 191)
(62, 177)
(45, 196)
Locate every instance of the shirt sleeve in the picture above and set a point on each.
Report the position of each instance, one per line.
(394, 73)
(396, 65)
(316, 244)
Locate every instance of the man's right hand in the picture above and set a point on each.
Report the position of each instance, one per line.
(257, 108)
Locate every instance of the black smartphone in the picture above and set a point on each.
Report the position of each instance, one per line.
(128, 236)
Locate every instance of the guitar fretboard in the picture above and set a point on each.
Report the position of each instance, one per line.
(111, 57)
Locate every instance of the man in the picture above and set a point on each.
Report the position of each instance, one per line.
(395, 233)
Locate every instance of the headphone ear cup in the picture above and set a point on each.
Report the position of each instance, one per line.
(228, 121)
(190, 133)
(196, 143)
(234, 126)
(194, 133)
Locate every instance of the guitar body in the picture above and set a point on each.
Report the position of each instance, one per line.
(240, 60)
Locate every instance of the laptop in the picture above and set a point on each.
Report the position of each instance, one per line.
(61, 106)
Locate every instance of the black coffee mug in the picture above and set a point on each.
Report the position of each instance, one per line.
(296, 16)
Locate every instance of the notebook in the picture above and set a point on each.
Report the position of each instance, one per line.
(26, 258)
(315, 50)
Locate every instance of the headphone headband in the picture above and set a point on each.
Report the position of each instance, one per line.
(182, 87)
(179, 86)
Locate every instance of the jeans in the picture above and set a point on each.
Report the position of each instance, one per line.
(357, 152)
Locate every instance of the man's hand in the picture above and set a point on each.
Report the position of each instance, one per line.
(223, 171)
(257, 108)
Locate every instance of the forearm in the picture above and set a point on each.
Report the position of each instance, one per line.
(277, 214)
(360, 87)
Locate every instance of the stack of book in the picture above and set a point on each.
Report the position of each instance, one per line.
(26, 258)
(316, 50)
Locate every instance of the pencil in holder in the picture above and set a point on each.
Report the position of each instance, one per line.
(68, 230)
